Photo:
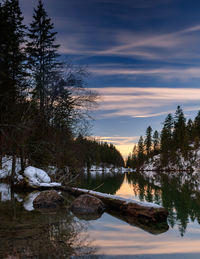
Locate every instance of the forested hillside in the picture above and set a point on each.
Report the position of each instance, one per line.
(176, 145)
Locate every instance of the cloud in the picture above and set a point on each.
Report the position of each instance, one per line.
(88, 28)
(123, 144)
(137, 102)
(165, 73)
(118, 140)
(156, 45)
(121, 42)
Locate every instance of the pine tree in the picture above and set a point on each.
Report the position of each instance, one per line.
(180, 138)
(42, 52)
(12, 76)
(156, 141)
(134, 157)
(190, 130)
(166, 139)
(141, 151)
(148, 140)
(129, 161)
(12, 57)
(197, 125)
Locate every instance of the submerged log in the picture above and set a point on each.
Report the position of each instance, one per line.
(151, 211)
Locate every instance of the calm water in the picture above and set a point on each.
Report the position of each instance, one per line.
(26, 233)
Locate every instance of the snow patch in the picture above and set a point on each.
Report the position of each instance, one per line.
(28, 204)
(36, 176)
(7, 167)
(53, 184)
(107, 169)
(5, 192)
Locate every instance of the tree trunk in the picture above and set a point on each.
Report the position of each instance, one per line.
(0, 162)
(13, 169)
(22, 160)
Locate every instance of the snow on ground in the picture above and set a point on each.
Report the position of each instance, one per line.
(38, 177)
(28, 203)
(185, 170)
(53, 184)
(5, 192)
(182, 165)
(107, 169)
(7, 167)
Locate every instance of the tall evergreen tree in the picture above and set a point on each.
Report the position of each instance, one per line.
(148, 140)
(129, 161)
(166, 139)
(190, 130)
(42, 53)
(12, 57)
(156, 141)
(12, 77)
(180, 138)
(141, 151)
(197, 125)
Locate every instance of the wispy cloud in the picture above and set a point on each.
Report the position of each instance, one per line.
(145, 102)
(165, 73)
(122, 42)
(123, 144)
(118, 140)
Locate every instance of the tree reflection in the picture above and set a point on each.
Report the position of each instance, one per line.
(106, 182)
(36, 234)
(180, 199)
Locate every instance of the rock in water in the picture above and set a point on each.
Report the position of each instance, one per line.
(87, 204)
(48, 200)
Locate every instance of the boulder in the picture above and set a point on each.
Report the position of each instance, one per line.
(87, 204)
(48, 200)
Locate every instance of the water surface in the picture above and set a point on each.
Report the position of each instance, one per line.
(26, 233)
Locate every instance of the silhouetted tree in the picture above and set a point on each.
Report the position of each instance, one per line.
(148, 140)
(156, 142)
(42, 54)
(166, 139)
(180, 138)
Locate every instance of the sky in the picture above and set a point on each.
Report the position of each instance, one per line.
(143, 58)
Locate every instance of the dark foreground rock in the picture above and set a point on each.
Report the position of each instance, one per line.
(48, 200)
(87, 204)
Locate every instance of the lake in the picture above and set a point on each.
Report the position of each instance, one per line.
(27, 233)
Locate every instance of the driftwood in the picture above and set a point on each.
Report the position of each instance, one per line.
(150, 211)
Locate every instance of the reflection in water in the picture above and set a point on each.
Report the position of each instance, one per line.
(116, 184)
(50, 234)
(155, 228)
(55, 234)
(181, 200)
(104, 182)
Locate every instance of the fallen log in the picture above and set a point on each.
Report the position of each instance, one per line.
(151, 211)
